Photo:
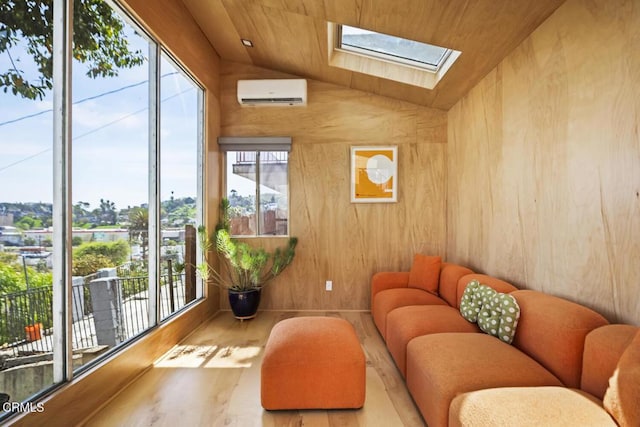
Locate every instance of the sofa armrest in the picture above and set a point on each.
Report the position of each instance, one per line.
(388, 280)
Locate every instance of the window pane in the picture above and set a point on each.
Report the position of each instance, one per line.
(241, 191)
(393, 47)
(274, 192)
(179, 187)
(26, 208)
(110, 193)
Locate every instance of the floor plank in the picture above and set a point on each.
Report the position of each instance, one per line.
(212, 378)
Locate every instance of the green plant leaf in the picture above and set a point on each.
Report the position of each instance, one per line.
(246, 267)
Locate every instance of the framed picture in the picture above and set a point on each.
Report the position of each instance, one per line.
(374, 174)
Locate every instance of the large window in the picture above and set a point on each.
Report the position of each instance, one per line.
(105, 236)
(110, 197)
(26, 212)
(180, 212)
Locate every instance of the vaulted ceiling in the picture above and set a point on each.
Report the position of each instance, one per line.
(291, 36)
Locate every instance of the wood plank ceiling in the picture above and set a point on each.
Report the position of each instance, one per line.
(291, 36)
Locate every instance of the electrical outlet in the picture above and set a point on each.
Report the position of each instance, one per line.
(328, 285)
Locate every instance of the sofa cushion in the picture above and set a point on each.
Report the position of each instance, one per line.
(441, 366)
(388, 280)
(622, 398)
(528, 407)
(390, 299)
(425, 273)
(495, 313)
(603, 348)
(407, 323)
(552, 330)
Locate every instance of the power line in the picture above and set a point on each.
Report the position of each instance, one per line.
(128, 115)
(24, 159)
(3, 168)
(120, 89)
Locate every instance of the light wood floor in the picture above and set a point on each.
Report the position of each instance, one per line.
(213, 379)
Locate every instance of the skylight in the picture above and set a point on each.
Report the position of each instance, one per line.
(392, 48)
(388, 57)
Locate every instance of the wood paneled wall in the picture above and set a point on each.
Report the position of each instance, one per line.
(544, 161)
(338, 240)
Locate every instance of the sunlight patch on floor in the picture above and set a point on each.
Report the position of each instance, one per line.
(209, 356)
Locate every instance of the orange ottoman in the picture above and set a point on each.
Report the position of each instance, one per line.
(313, 363)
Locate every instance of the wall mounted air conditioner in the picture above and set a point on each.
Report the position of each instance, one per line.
(275, 92)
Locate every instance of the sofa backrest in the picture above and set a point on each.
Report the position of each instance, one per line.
(492, 282)
(603, 348)
(552, 331)
(450, 274)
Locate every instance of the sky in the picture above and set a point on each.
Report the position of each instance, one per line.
(109, 134)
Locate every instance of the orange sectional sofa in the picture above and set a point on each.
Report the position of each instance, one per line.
(558, 367)
(608, 393)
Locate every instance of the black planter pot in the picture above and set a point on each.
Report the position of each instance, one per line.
(244, 304)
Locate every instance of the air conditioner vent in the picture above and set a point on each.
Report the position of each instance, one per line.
(274, 92)
(290, 101)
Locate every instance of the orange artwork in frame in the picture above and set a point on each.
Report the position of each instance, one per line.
(374, 174)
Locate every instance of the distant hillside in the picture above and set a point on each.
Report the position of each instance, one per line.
(175, 212)
(41, 211)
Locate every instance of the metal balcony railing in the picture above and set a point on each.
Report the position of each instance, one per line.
(266, 157)
(26, 318)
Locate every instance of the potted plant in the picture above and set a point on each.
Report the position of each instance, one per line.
(244, 270)
(33, 330)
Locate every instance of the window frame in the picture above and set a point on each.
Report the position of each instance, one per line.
(375, 65)
(225, 183)
(156, 51)
(405, 60)
(200, 155)
(62, 176)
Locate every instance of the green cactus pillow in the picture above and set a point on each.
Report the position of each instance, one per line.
(495, 313)
(473, 299)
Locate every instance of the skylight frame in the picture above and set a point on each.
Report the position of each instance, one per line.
(385, 68)
(392, 57)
